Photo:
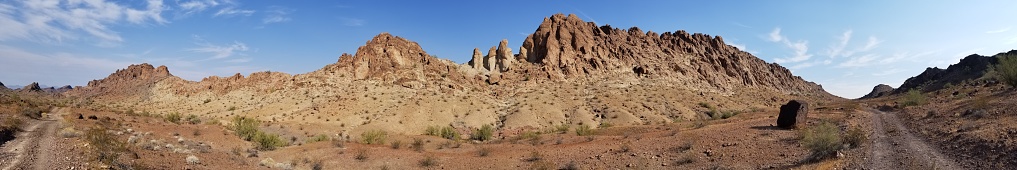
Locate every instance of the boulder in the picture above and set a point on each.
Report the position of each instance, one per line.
(504, 57)
(478, 59)
(490, 61)
(793, 113)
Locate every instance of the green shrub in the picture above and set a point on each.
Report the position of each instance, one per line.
(173, 117)
(913, 98)
(245, 127)
(193, 119)
(318, 138)
(373, 137)
(855, 137)
(823, 139)
(584, 130)
(266, 141)
(433, 131)
(108, 148)
(1007, 69)
(449, 133)
(561, 129)
(484, 133)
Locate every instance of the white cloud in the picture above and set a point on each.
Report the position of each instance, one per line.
(56, 21)
(239, 60)
(231, 11)
(276, 15)
(801, 47)
(888, 72)
(53, 68)
(775, 35)
(838, 49)
(196, 6)
(998, 30)
(221, 51)
(353, 22)
(872, 43)
(861, 61)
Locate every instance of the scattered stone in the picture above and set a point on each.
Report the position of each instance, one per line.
(191, 159)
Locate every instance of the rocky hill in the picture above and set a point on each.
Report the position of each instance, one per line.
(878, 91)
(567, 72)
(969, 68)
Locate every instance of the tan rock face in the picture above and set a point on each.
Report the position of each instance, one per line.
(384, 54)
(477, 61)
(570, 48)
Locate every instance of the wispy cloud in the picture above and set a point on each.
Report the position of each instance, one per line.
(801, 47)
(219, 51)
(231, 11)
(195, 6)
(57, 21)
(860, 61)
(1001, 30)
(740, 25)
(837, 50)
(277, 14)
(888, 72)
(353, 22)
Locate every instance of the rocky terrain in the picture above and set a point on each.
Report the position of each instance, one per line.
(575, 95)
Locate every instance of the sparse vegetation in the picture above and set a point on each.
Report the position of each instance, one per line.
(266, 141)
(373, 137)
(913, 98)
(396, 144)
(244, 127)
(823, 139)
(107, 148)
(584, 130)
(1006, 70)
(417, 145)
(173, 117)
(446, 132)
(534, 156)
(561, 129)
(69, 132)
(855, 137)
(318, 138)
(193, 119)
(484, 133)
(483, 151)
(428, 161)
(361, 155)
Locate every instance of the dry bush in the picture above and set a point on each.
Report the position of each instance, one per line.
(584, 130)
(417, 145)
(483, 151)
(534, 156)
(266, 141)
(913, 98)
(69, 132)
(373, 137)
(428, 161)
(173, 117)
(823, 140)
(484, 133)
(855, 137)
(361, 155)
(396, 144)
(318, 138)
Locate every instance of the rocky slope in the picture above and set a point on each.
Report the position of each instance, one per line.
(567, 72)
(878, 91)
(969, 68)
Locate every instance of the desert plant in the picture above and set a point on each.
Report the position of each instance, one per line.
(534, 156)
(483, 151)
(561, 129)
(484, 133)
(245, 127)
(428, 161)
(1006, 70)
(373, 137)
(173, 117)
(417, 145)
(396, 144)
(433, 131)
(584, 130)
(913, 98)
(193, 119)
(69, 132)
(317, 165)
(318, 138)
(823, 139)
(108, 148)
(855, 137)
(266, 141)
(361, 155)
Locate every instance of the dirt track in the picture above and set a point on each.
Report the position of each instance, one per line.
(37, 146)
(894, 147)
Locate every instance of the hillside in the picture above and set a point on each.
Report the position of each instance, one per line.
(567, 72)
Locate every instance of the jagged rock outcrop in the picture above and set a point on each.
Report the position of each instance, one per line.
(505, 57)
(972, 67)
(33, 87)
(878, 91)
(477, 61)
(130, 83)
(393, 59)
(567, 48)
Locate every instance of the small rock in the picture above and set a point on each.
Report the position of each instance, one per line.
(191, 159)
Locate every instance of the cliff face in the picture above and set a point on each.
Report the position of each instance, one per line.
(969, 68)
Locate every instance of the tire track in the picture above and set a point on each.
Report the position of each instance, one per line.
(894, 147)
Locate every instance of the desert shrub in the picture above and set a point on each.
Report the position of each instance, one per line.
(823, 139)
(980, 103)
(318, 138)
(584, 130)
(449, 133)
(317, 165)
(433, 131)
(10, 123)
(173, 117)
(69, 132)
(428, 161)
(417, 145)
(244, 127)
(913, 98)
(373, 137)
(571, 166)
(534, 156)
(483, 151)
(361, 155)
(193, 119)
(107, 148)
(855, 137)
(266, 141)
(484, 133)
(605, 125)
(1006, 70)
(561, 129)
(32, 112)
(396, 144)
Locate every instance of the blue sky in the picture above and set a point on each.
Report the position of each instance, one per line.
(847, 46)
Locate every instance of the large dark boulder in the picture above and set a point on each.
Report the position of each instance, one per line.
(792, 113)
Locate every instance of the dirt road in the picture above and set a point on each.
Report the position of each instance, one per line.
(895, 147)
(37, 146)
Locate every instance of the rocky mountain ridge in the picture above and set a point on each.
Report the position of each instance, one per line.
(567, 72)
